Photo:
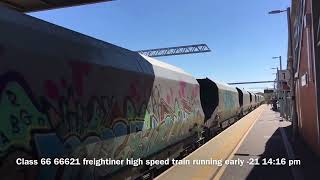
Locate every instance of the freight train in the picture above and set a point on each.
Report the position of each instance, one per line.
(67, 99)
(223, 104)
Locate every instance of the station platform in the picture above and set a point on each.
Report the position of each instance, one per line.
(255, 147)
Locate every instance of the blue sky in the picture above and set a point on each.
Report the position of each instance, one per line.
(241, 35)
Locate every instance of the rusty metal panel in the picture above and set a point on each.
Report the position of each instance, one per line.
(37, 5)
(63, 93)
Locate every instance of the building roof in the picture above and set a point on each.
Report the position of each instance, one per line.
(38, 5)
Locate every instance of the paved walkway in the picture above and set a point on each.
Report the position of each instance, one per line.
(258, 146)
(266, 140)
(217, 149)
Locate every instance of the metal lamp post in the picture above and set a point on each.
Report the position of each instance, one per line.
(290, 68)
(279, 57)
(278, 90)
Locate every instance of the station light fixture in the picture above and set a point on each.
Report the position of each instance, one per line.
(276, 11)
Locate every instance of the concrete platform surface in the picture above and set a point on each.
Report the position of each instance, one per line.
(258, 146)
(217, 149)
(267, 151)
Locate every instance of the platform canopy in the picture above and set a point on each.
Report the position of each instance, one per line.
(38, 5)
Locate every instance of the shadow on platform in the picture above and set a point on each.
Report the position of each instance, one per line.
(275, 148)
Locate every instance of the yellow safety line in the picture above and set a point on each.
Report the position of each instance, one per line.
(208, 171)
(223, 168)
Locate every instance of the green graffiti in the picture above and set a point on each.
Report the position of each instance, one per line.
(177, 110)
(95, 118)
(147, 121)
(19, 117)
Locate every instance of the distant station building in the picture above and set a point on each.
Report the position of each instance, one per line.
(306, 68)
